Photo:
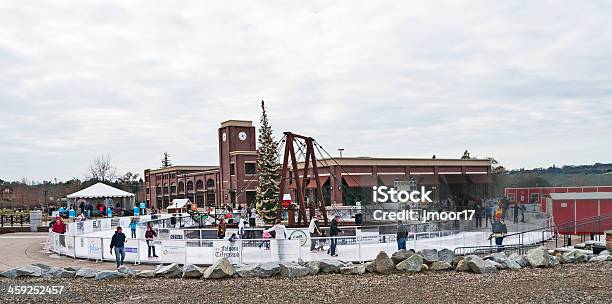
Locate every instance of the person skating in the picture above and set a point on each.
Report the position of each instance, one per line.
(133, 226)
(118, 244)
(314, 231)
(333, 233)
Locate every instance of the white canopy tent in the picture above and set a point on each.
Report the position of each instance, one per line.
(178, 205)
(103, 192)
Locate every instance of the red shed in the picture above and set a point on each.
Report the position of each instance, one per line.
(581, 208)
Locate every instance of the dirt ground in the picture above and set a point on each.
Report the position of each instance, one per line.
(570, 283)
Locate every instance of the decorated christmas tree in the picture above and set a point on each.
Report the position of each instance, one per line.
(267, 170)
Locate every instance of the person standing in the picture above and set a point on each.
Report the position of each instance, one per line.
(280, 234)
(221, 230)
(314, 231)
(252, 217)
(150, 235)
(478, 214)
(241, 228)
(488, 212)
(515, 210)
(133, 226)
(499, 229)
(333, 233)
(118, 244)
(402, 235)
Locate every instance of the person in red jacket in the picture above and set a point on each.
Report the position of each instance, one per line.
(59, 226)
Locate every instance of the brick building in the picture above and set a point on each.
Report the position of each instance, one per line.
(344, 181)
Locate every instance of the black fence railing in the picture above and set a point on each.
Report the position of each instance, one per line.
(14, 220)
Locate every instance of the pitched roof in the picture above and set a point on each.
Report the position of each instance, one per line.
(100, 190)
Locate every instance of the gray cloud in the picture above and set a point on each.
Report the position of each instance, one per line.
(525, 82)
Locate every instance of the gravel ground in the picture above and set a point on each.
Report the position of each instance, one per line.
(570, 283)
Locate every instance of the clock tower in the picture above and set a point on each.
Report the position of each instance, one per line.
(237, 162)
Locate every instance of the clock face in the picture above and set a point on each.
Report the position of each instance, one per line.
(242, 135)
(224, 136)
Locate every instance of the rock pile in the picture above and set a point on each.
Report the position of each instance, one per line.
(403, 261)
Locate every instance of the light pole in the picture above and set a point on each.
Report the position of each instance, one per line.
(340, 150)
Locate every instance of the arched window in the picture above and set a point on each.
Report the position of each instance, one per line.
(173, 188)
(165, 188)
(199, 185)
(181, 187)
(189, 185)
(210, 183)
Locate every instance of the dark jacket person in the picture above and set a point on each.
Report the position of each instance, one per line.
(118, 243)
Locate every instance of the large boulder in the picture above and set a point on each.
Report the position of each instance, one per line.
(219, 270)
(462, 265)
(126, 271)
(411, 264)
(293, 270)
(538, 257)
(401, 255)
(331, 266)
(446, 255)
(108, 275)
(552, 261)
(521, 260)
(440, 265)
(478, 265)
(86, 273)
(601, 258)
(169, 271)
(582, 256)
(61, 273)
(73, 268)
(383, 264)
(456, 261)
(44, 267)
(313, 267)
(192, 272)
(429, 255)
(22, 271)
(146, 274)
(355, 269)
(503, 260)
(369, 267)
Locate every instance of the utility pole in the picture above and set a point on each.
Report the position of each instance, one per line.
(340, 150)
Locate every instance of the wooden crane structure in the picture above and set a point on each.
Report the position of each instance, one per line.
(310, 164)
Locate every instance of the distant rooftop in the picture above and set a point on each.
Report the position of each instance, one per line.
(237, 123)
(184, 168)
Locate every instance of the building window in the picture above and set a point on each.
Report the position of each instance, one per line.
(199, 185)
(535, 198)
(250, 168)
(210, 183)
(189, 185)
(210, 198)
(250, 198)
(173, 188)
(181, 187)
(232, 169)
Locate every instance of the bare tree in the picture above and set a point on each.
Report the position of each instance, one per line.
(102, 169)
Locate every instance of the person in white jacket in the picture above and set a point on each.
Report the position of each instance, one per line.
(279, 229)
(314, 231)
(280, 232)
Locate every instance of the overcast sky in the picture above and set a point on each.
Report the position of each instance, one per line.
(527, 82)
